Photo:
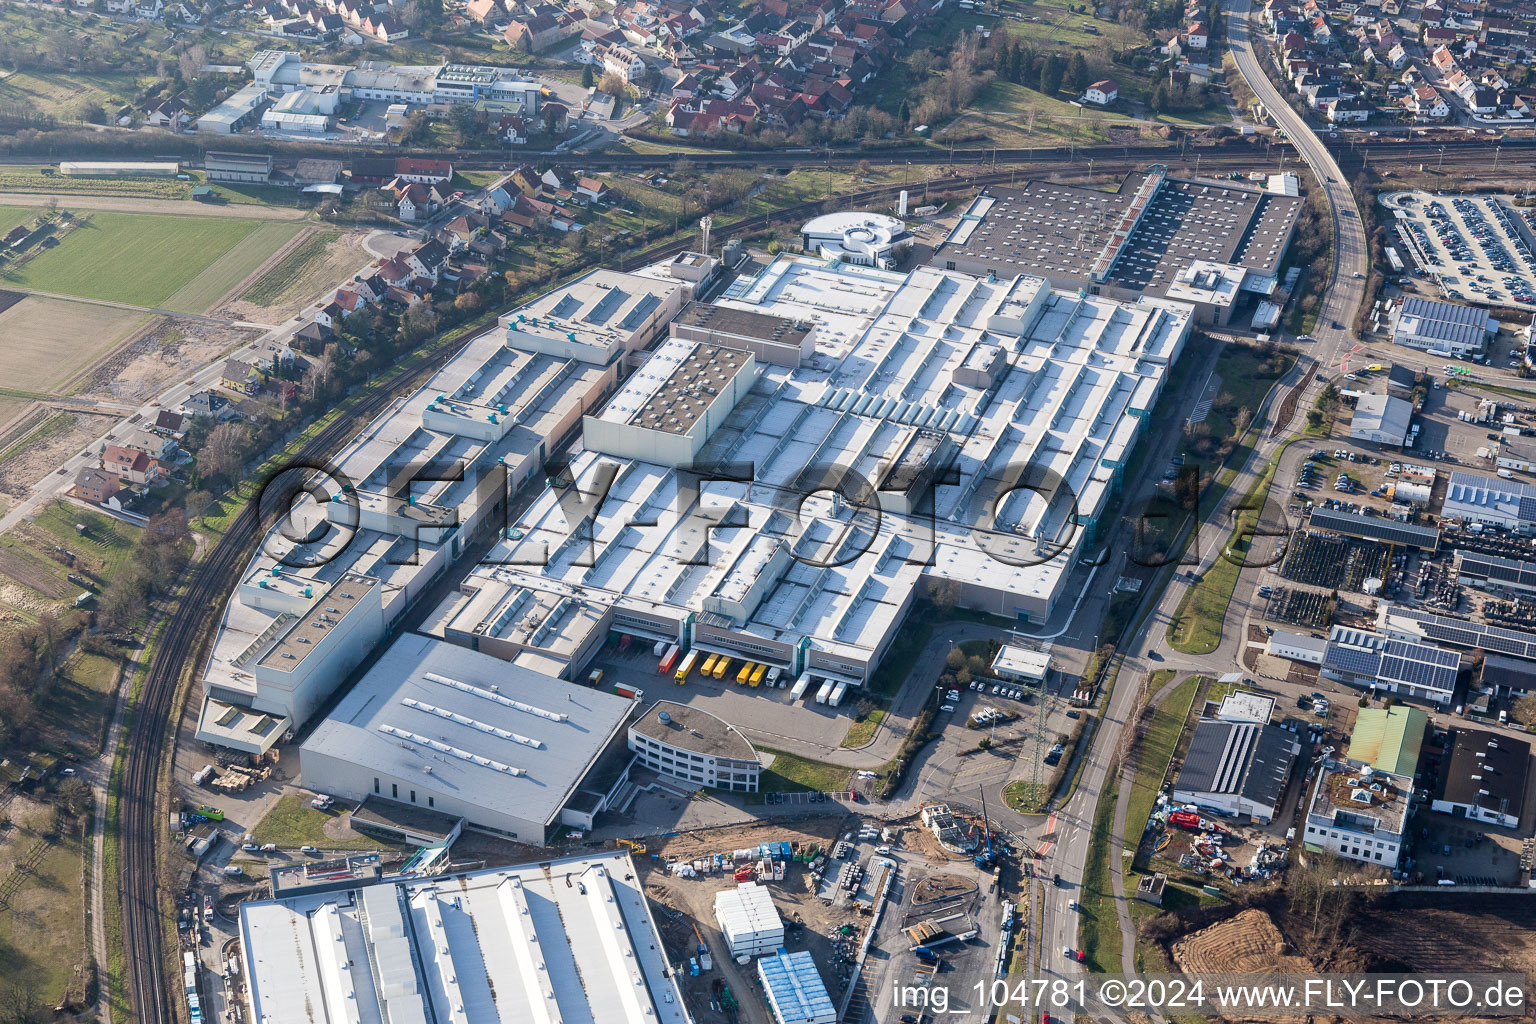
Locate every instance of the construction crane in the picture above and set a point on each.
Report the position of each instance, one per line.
(986, 856)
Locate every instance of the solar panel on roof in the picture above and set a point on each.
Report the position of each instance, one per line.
(1352, 659)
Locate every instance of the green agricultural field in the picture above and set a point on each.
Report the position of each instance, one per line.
(136, 258)
(225, 273)
(10, 216)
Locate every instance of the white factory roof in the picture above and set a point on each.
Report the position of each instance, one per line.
(1078, 371)
(569, 941)
(1020, 661)
(528, 392)
(469, 724)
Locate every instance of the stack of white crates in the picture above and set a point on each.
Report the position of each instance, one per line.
(748, 920)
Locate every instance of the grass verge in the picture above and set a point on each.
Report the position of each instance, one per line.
(791, 773)
(1196, 626)
(1156, 750)
(292, 823)
(1099, 926)
(863, 730)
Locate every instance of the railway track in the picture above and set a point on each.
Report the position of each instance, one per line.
(212, 581)
(153, 720)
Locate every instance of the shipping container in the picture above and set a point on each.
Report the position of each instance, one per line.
(837, 694)
(745, 674)
(822, 695)
(722, 667)
(709, 665)
(659, 649)
(758, 673)
(798, 690)
(668, 659)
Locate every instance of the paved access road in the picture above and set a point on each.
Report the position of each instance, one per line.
(1342, 297)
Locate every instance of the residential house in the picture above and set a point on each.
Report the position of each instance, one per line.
(540, 32)
(1102, 93)
(592, 189)
(622, 61)
(484, 11)
(423, 171)
(312, 338)
(172, 423)
(352, 300)
(131, 466)
(1198, 36)
(1351, 111)
(556, 116)
(526, 179)
(97, 486)
(241, 376)
(169, 114)
(395, 273)
(413, 201)
(558, 180)
(208, 403)
(156, 446)
(327, 314)
(513, 128)
(1426, 104)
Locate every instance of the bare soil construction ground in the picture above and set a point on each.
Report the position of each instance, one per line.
(1247, 943)
(31, 463)
(1416, 932)
(681, 904)
(164, 351)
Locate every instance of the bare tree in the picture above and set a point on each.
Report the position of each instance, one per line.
(191, 62)
(224, 453)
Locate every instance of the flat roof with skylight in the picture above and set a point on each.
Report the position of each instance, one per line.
(778, 560)
(563, 940)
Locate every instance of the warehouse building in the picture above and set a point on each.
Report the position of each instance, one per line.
(400, 497)
(1493, 572)
(238, 168)
(775, 340)
(1376, 528)
(570, 939)
(1380, 419)
(794, 989)
(1419, 625)
(1296, 647)
(1491, 501)
(1361, 799)
(1202, 242)
(119, 169)
(748, 920)
(513, 752)
(1446, 328)
(1482, 777)
(1021, 665)
(284, 644)
(914, 375)
(695, 747)
(1408, 668)
(240, 110)
(1237, 768)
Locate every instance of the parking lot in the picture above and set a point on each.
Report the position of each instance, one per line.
(1475, 246)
